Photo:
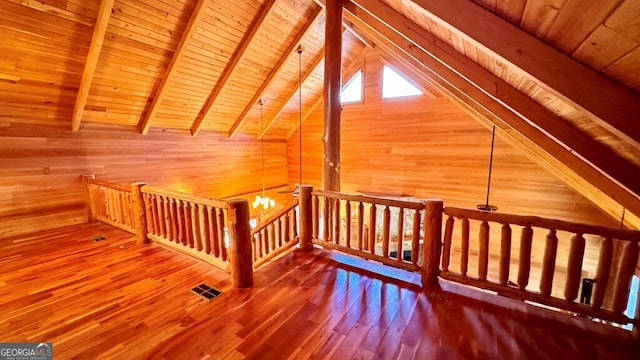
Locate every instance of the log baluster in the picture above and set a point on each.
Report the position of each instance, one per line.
(221, 234)
(279, 231)
(505, 254)
(272, 237)
(167, 217)
(361, 227)
(316, 217)
(154, 214)
(415, 240)
(174, 221)
(602, 272)
(308, 226)
(399, 249)
(446, 249)
(623, 277)
(549, 263)
(326, 230)
(195, 229)
(160, 209)
(483, 255)
(336, 221)
(287, 229)
(138, 213)
(148, 212)
(372, 228)
(386, 229)
(294, 223)
(574, 267)
(205, 230)
(347, 215)
(464, 246)
(182, 238)
(524, 263)
(213, 226)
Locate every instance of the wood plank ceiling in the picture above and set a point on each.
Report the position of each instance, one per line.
(561, 77)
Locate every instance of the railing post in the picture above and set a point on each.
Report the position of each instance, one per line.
(240, 244)
(306, 217)
(139, 215)
(432, 245)
(87, 196)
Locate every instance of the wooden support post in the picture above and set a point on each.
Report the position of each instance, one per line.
(305, 207)
(139, 215)
(87, 196)
(332, 104)
(432, 243)
(240, 244)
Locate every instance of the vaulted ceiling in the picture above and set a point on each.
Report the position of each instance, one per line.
(560, 78)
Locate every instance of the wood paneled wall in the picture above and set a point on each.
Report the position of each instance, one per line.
(427, 146)
(40, 168)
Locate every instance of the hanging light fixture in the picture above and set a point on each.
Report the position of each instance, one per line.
(263, 201)
(486, 206)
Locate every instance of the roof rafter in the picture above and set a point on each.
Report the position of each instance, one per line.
(614, 106)
(316, 61)
(97, 39)
(161, 91)
(276, 70)
(457, 70)
(231, 66)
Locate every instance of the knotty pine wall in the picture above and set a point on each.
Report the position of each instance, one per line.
(40, 168)
(427, 146)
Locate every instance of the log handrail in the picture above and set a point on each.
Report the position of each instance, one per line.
(551, 224)
(273, 218)
(407, 204)
(111, 185)
(154, 190)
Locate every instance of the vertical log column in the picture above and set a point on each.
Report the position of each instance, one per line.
(332, 105)
(432, 243)
(139, 214)
(306, 216)
(240, 244)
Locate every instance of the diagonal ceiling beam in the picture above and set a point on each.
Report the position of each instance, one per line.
(276, 70)
(316, 61)
(161, 91)
(231, 66)
(616, 107)
(104, 13)
(460, 71)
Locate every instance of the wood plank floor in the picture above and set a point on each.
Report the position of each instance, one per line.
(113, 299)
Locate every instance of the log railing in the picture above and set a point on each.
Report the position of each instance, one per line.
(561, 249)
(363, 226)
(110, 203)
(188, 223)
(275, 235)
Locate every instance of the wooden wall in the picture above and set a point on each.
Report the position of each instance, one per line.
(40, 168)
(427, 146)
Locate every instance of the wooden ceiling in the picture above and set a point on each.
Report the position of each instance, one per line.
(560, 77)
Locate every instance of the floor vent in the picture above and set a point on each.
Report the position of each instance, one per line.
(206, 292)
(98, 238)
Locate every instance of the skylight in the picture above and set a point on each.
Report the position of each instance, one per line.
(395, 85)
(352, 91)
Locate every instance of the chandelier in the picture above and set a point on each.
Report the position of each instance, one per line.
(263, 202)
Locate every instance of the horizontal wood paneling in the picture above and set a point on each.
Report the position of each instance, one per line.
(40, 168)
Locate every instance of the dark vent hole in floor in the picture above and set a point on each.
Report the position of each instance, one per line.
(98, 238)
(206, 292)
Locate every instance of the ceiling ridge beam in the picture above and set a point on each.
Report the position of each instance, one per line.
(414, 43)
(97, 39)
(161, 90)
(231, 66)
(316, 61)
(614, 106)
(276, 70)
(350, 71)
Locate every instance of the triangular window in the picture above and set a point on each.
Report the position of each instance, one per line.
(352, 91)
(395, 85)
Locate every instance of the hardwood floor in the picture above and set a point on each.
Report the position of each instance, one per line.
(113, 299)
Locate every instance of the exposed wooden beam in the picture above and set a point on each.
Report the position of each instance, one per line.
(439, 54)
(97, 39)
(316, 61)
(331, 95)
(276, 70)
(348, 72)
(231, 66)
(616, 107)
(161, 91)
